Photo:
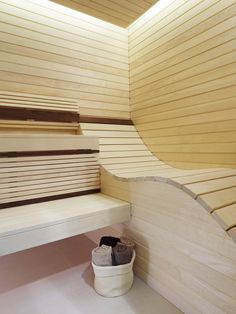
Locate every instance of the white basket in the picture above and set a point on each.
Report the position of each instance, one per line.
(113, 281)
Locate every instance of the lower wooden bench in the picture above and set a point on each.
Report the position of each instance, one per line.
(49, 190)
(24, 227)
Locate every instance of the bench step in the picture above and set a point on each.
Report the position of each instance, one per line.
(27, 226)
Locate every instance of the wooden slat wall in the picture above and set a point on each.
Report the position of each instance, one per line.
(181, 251)
(33, 127)
(30, 113)
(121, 149)
(30, 177)
(47, 49)
(182, 80)
(22, 113)
(23, 100)
(122, 12)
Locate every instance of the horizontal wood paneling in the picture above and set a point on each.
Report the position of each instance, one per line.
(37, 168)
(49, 50)
(33, 127)
(182, 81)
(120, 147)
(122, 12)
(24, 114)
(33, 225)
(181, 251)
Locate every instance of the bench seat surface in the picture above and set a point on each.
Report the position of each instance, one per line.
(27, 226)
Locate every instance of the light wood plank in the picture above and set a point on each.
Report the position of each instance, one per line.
(53, 52)
(52, 192)
(27, 178)
(106, 127)
(226, 216)
(209, 175)
(46, 189)
(30, 179)
(196, 189)
(216, 200)
(32, 225)
(39, 142)
(178, 77)
(110, 161)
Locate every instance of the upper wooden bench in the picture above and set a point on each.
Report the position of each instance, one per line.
(125, 156)
(43, 182)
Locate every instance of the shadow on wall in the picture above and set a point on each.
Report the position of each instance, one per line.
(88, 275)
(27, 266)
(139, 253)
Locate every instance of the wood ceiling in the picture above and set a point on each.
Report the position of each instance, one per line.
(119, 12)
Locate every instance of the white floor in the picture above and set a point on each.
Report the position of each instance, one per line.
(57, 279)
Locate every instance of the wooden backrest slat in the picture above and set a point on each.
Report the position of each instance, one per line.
(43, 115)
(37, 108)
(46, 142)
(33, 103)
(45, 167)
(49, 192)
(39, 101)
(39, 188)
(27, 95)
(4, 160)
(25, 163)
(41, 171)
(45, 180)
(22, 170)
(45, 197)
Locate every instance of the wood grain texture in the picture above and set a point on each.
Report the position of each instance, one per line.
(91, 119)
(182, 81)
(181, 251)
(226, 216)
(183, 103)
(213, 188)
(32, 225)
(51, 51)
(121, 13)
(47, 198)
(37, 127)
(15, 154)
(34, 169)
(46, 115)
(45, 142)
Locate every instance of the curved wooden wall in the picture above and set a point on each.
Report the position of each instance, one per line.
(182, 80)
(181, 251)
(50, 50)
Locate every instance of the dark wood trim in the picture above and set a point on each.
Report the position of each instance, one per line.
(90, 119)
(47, 153)
(47, 198)
(47, 115)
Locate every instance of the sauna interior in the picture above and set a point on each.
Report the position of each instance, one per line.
(118, 118)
